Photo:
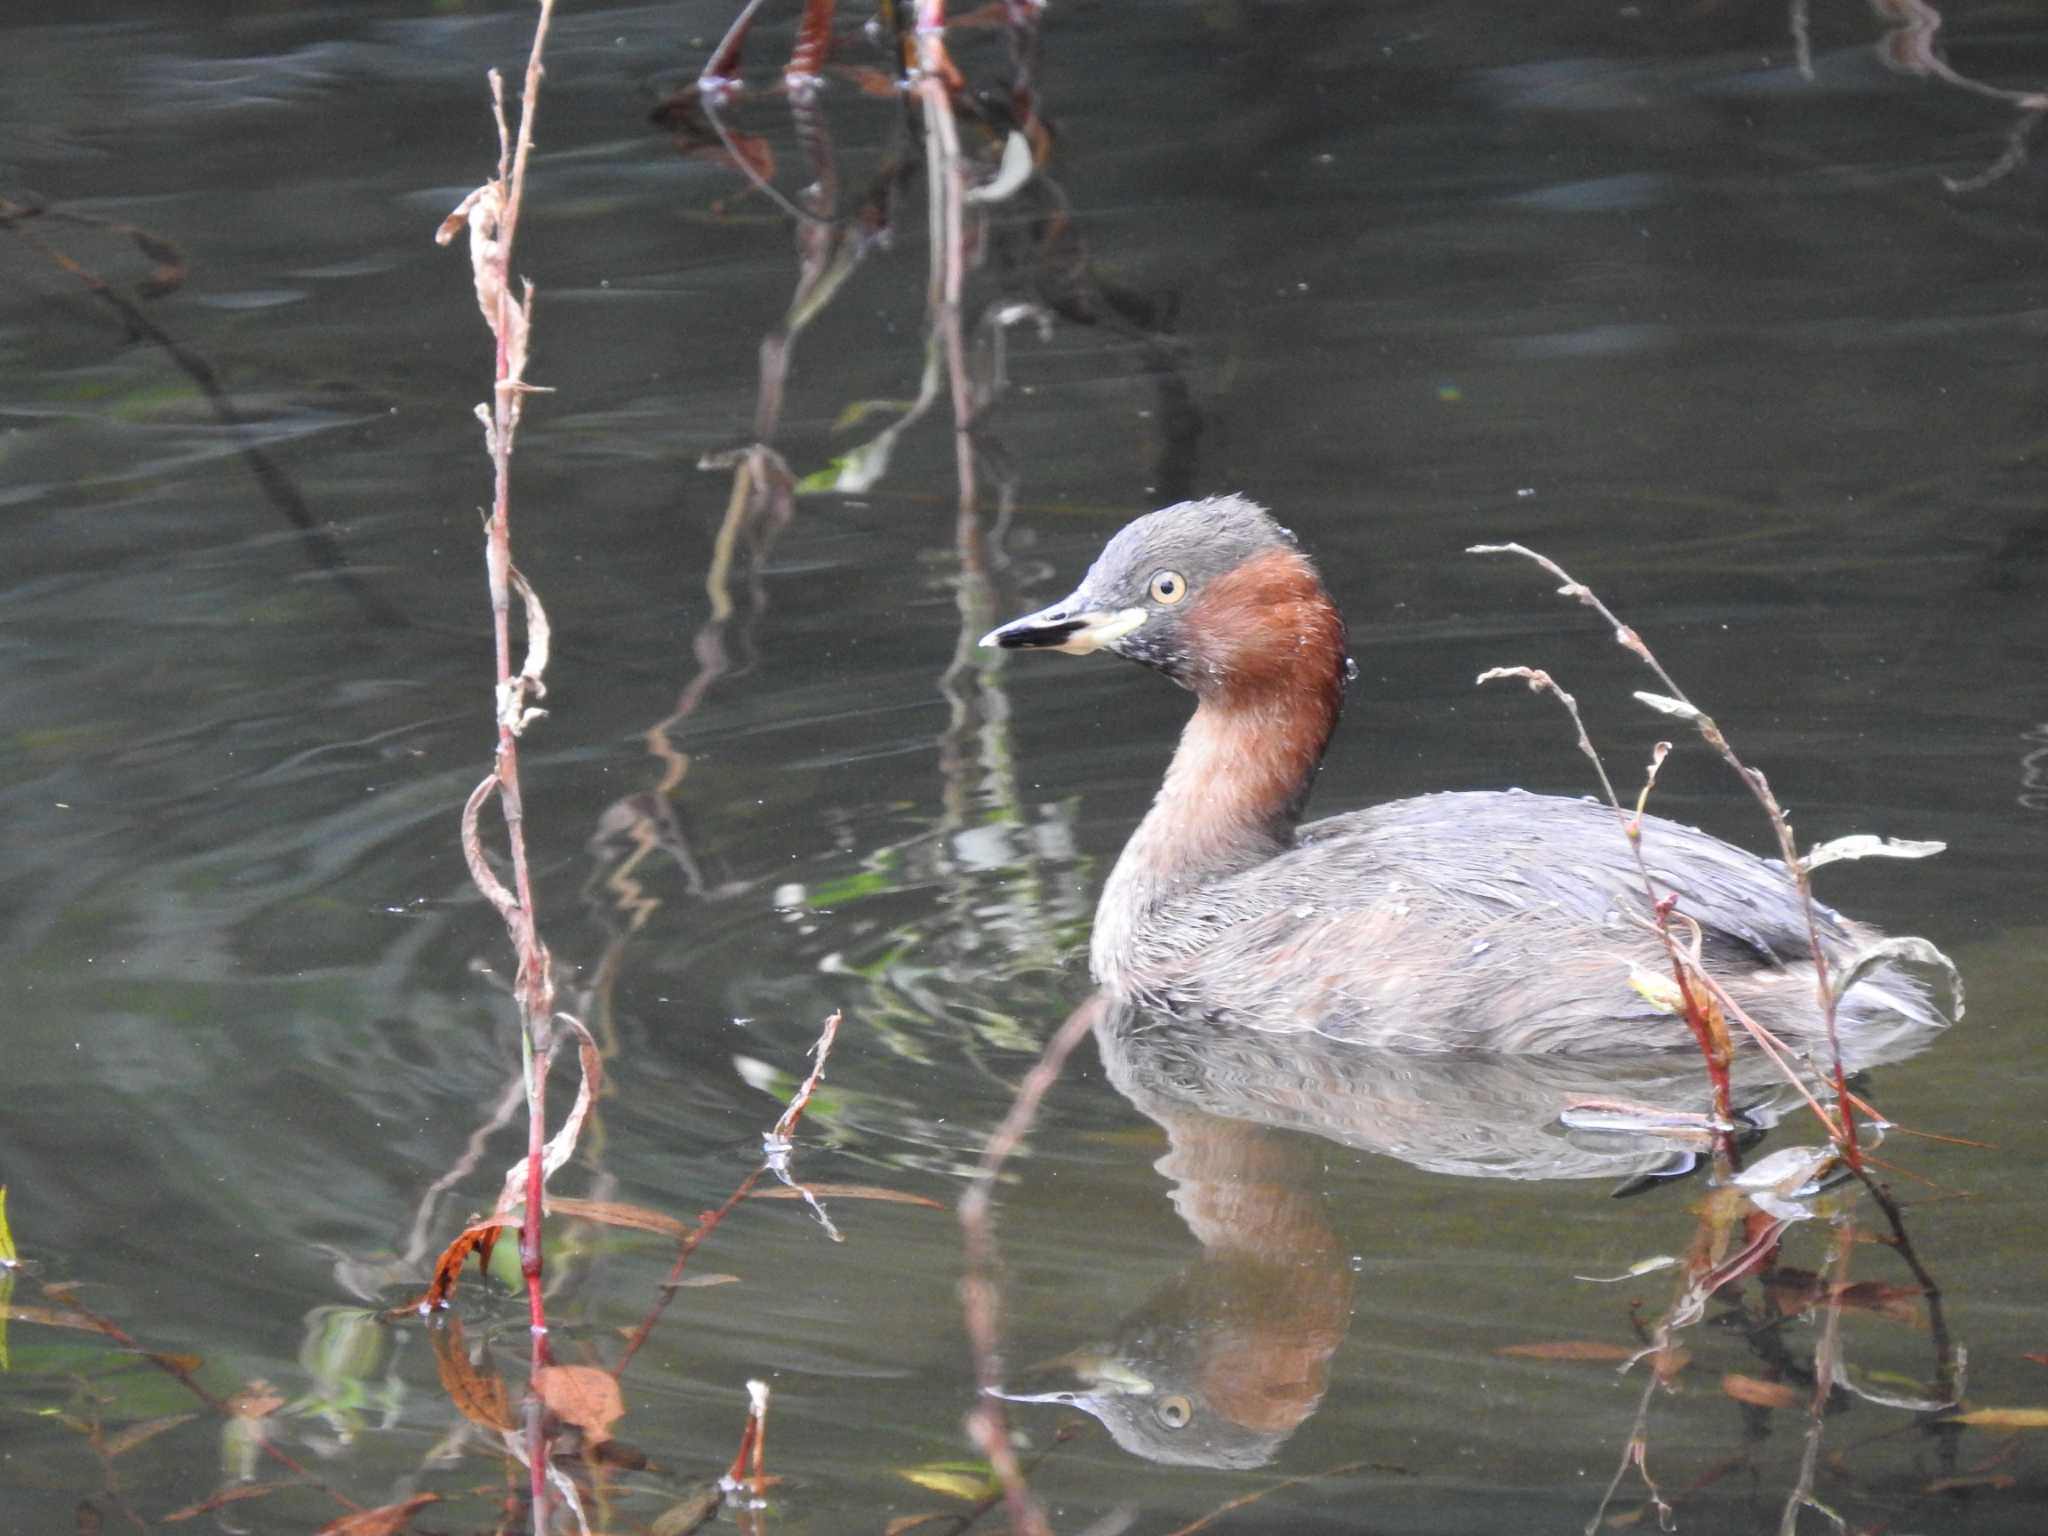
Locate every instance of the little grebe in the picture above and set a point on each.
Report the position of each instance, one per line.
(1497, 921)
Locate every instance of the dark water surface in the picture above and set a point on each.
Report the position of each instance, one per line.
(1617, 281)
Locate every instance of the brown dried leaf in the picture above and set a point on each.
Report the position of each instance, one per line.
(612, 1213)
(1971, 1480)
(2038, 1359)
(234, 1495)
(1896, 1303)
(581, 1395)
(50, 1317)
(138, 1434)
(1762, 1394)
(1569, 1349)
(385, 1520)
(846, 1192)
(480, 1398)
(179, 1365)
(448, 1272)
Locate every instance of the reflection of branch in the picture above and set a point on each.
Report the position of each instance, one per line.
(1825, 1365)
(775, 1160)
(283, 493)
(980, 1297)
(1908, 48)
(947, 188)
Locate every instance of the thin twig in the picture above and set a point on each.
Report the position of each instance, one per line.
(980, 1300)
(1844, 1132)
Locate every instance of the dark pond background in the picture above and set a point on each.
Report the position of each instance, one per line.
(1615, 280)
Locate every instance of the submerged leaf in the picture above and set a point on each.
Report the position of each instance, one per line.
(51, 1317)
(138, 1434)
(1569, 1349)
(235, 1495)
(968, 1481)
(690, 1514)
(385, 1520)
(581, 1395)
(479, 1397)
(1761, 1394)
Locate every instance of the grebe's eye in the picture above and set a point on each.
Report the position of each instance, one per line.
(1174, 1412)
(1168, 587)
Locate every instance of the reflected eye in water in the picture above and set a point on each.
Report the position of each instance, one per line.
(1175, 1411)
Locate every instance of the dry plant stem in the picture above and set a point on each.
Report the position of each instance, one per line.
(1945, 1382)
(1844, 1131)
(979, 1298)
(492, 216)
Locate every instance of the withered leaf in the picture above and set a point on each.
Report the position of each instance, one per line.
(479, 1397)
(448, 1271)
(612, 1213)
(1569, 1349)
(846, 1192)
(1971, 1480)
(581, 1395)
(1897, 1303)
(50, 1317)
(234, 1495)
(1762, 1394)
(138, 1434)
(385, 1520)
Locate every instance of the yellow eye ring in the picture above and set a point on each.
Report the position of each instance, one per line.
(1174, 1412)
(1168, 587)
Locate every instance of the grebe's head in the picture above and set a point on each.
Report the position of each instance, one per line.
(1213, 593)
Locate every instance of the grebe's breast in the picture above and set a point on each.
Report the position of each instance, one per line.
(1493, 921)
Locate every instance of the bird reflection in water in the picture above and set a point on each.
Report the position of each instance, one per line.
(1223, 1361)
